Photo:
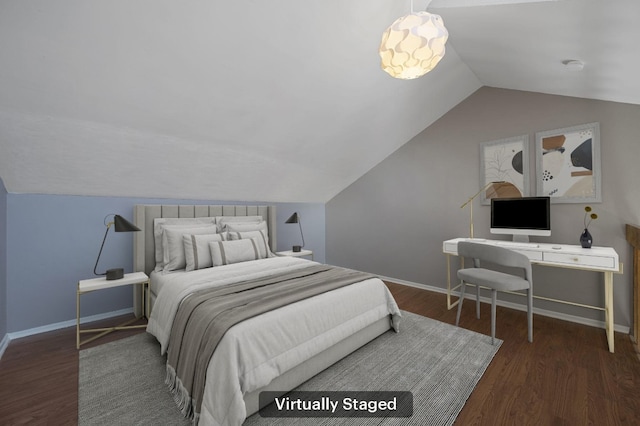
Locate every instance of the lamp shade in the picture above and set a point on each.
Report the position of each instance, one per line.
(413, 45)
(293, 218)
(123, 225)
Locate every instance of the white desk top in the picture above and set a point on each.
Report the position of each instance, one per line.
(562, 255)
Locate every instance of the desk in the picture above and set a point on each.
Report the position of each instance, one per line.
(597, 259)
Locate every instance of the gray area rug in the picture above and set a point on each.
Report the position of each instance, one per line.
(122, 382)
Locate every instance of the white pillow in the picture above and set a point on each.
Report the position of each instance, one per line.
(221, 221)
(196, 250)
(228, 252)
(246, 226)
(261, 236)
(160, 223)
(173, 247)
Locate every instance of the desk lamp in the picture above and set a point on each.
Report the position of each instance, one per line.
(470, 202)
(121, 225)
(295, 218)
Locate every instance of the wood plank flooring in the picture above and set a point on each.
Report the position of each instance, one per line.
(565, 377)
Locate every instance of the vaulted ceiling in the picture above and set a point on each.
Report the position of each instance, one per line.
(280, 100)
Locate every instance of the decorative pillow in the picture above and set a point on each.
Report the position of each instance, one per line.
(196, 250)
(160, 223)
(221, 221)
(228, 252)
(246, 226)
(173, 247)
(261, 236)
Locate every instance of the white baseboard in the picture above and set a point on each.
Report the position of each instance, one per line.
(4, 343)
(70, 323)
(517, 306)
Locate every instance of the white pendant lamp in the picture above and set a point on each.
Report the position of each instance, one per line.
(413, 45)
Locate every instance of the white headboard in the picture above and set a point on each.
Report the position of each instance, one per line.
(143, 215)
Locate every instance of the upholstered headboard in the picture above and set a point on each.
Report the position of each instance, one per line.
(144, 214)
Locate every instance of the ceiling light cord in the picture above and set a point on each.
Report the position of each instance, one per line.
(425, 8)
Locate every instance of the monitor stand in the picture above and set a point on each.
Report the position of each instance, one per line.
(520, 238)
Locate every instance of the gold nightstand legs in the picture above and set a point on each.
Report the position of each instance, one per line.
(106, 330)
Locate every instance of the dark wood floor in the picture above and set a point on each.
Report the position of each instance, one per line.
(565, 377)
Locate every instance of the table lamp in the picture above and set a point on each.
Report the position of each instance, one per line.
(470, 202)
(295, 218)
(121, 225)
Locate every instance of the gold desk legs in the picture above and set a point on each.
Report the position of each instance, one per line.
(449, 288)
(608, 308)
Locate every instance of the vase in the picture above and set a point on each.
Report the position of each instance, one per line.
(585, 239)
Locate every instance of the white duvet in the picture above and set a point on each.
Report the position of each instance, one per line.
(255, 351)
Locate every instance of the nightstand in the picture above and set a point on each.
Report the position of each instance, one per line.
(301, 253)
(94, 284)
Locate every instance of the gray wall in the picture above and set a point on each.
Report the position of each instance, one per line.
(392, 221)
(3, 260)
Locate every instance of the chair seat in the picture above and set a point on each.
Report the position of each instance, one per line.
(493, 279)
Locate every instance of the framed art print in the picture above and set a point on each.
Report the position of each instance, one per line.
(504, 168)
(568, 164)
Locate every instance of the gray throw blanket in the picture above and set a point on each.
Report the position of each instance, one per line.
(204, 317)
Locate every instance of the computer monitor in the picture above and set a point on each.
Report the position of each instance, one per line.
(521, 217)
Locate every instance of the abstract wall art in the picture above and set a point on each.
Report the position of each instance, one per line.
(568, 164)
(504, 162)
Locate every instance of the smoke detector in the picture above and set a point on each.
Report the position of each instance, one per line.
(573, 64)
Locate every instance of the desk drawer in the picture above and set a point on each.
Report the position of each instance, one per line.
(531, 254)
(580, 260)
(449, 247)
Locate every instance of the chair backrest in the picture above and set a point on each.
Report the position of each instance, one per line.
(496, 255)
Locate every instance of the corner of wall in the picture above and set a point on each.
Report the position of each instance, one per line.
(4, 341)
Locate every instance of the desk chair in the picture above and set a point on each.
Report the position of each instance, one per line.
(496, 281)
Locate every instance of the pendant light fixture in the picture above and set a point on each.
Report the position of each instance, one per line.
(413, 45)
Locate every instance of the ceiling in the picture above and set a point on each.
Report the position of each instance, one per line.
(266, 101)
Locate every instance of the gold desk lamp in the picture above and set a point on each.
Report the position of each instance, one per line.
(470, 202)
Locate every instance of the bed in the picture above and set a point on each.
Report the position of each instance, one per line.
(276, 350)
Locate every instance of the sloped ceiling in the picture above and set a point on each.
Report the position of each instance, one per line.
(277, 100)
(523, 46)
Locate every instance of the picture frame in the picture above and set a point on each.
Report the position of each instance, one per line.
(505, 162)
(568, 164)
